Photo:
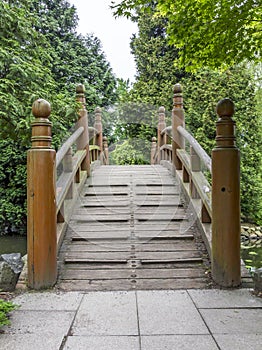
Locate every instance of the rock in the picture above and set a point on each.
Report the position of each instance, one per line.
(14, 260)
(8, 277)
(258, 280)
(11, 266)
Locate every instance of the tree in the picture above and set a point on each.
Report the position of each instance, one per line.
(208, 33)
(41, 55)
(202, 91)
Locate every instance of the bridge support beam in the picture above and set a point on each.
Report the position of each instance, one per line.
(41, 202)
(226, 269)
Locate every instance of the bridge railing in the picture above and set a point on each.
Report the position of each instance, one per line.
(53, 183)
(217, 206)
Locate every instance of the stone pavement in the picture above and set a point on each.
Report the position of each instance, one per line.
(145, 320)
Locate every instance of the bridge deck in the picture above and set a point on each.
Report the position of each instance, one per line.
(131, 230)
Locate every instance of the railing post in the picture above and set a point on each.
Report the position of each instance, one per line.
(161, 126)
(178, 119)
(41, 201)
(98, 127)
(153, 151)
(83, 141)
(105, 151)
(226, 200)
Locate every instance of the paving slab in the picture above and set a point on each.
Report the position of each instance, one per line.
(30, 342)
(233, 321)
(245, 342)
(39, 322)
(168, 312)
(102, 343)
(216, 299)
(49, 301)
(178, 342)
(107, 313)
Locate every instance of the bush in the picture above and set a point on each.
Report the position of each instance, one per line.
(5, 308)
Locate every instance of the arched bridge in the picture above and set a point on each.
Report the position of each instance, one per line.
(97, 226)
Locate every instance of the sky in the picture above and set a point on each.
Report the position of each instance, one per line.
(96, 17)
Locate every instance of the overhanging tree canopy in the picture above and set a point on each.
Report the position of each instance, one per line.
(208, 33)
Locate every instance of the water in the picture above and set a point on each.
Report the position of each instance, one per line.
(13, 244)
(252, 257)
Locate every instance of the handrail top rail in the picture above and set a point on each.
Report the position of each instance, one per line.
(67, 144)
(166, 146)
(92, 129)
(93, 147)
(197, 147)
(166, 130)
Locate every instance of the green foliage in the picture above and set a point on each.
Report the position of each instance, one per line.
(202, 91)
(154, 61)
(207, 33)
(5, 308)
(128, 153)
(41, 56)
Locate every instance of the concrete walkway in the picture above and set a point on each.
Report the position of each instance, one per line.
(145, 320)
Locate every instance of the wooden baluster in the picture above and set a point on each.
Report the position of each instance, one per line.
(195, 166)
(41, 201)
(226, 200)
(153, 151)
(105, 151)
(99, 128)
(68, 168)
(161, 138)
(178, 119)
(83, 141)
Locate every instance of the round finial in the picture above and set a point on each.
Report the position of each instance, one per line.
(98, 110)
(225, 108)
(80, 89)
(153, 139)
(104, 138)
(161, 109)
(41, 108)
(177, 88)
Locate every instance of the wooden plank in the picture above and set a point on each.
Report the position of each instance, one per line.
(143, 284)
(156, 273)
(120, 255)
(142, 247)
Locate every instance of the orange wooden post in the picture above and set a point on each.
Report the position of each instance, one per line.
(226, 200)
(41, 202)
(153, 151)
(161, 139)
(83, 141)
(99, 130)
(105, 151)
(178, 119)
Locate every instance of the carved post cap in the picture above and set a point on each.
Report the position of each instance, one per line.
(153, 139)
(177, 88)
(98, 110)
(41, 109)
(104, 138)
(225, 108)
(80, 89)
(161, 109)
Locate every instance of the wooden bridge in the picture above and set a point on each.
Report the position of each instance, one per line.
(105, 227)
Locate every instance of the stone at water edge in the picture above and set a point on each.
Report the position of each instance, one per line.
(11, 266)
(258, 280)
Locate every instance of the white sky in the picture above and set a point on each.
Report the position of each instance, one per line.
(96, 17)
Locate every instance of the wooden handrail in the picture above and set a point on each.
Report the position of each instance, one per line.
(67, 144)
(222, 213)
(196, 146)
(167, 130)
